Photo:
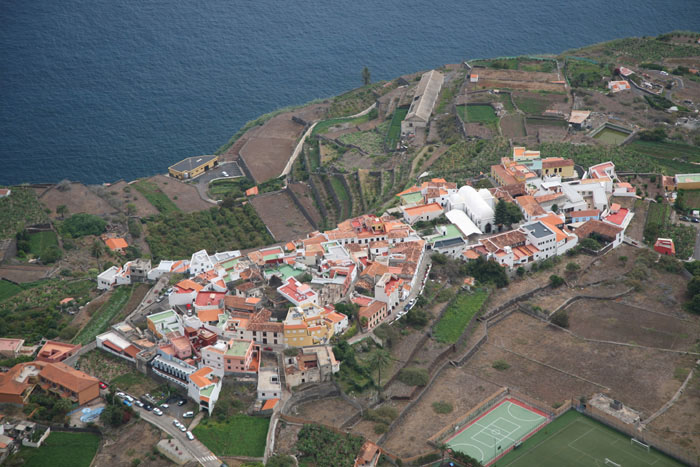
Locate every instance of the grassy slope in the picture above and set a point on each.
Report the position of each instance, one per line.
(458, 314)
(20, 209)
(155, 196)
(99, 322)
(62, 449)
(240, 435)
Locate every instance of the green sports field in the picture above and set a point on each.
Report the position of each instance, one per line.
(493, 433)
(576, 440)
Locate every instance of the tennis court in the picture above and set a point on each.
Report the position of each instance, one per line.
(496, 431)
(576, 440)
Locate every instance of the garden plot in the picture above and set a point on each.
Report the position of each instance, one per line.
(77, 198)
(281, 216)
(490, 78)
(333, 411)
(615, 321)
(513, 126)
(641, 378)
(185, 196)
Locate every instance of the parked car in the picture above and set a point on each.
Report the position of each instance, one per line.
(224, 174)
(126, 403)
(147, 407)
(269, 349)
(138, 403)
(157, 411)
(182, 402)
(120, 394)
(696, 220)
(182, 428)
(190, 436)
(685, 218)
(188, 414)
(164, 406)
(129, 398)
(103, 385)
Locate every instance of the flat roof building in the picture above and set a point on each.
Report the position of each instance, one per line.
(193, 166)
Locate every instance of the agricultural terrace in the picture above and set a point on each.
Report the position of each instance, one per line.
(458, 314)
(518, 63)
(691, 199)
(336, 123)
(20, 209)
(9, 289)
(155, 196)
(100, 320)
(40, 302)
(343, 196)
(531, 105)
(61, 449)
(230, 188)
(675, 157)
(642, 49)
(394, 133)
(477, 113)
(116, 371)
(585, 73)
(40, 242)
(176, 235)
(576, 440)
(659, 225)
(370, 141)
(239, 435)
(320, 446)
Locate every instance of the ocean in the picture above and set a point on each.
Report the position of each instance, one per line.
(101, 90)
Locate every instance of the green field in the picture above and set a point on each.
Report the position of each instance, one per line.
(394, 133)
(674, 157)
(326, 125)
(691, 199)
(155, 196)
(100, 320)
(611, 136)
(8, 289)
(477, 113)
(62, 449)
(239, 435)
(343, 196)
(230, 188)
(656, 221)
(458, 315)
(531, 105)
(576, 440)
(18, 210)
(40, 241)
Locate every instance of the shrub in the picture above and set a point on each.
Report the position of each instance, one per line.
(414, 376)
(561, 319)
(81, 224)
(442, 407)
(556, 281)
(572, 267)
(500, 365)
(380, 428)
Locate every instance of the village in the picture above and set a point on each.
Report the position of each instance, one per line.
(370, 282)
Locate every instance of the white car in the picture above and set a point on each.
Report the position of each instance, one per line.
(182, 428)
(190, 436)
(138, 403)
(157, 411)
(188, 414)
(129, 398)
(224, 174)
(120, 394)
(165, 406)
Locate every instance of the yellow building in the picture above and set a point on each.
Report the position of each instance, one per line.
(558, 166)
(307, 325)
(688, 181)
(193, 166)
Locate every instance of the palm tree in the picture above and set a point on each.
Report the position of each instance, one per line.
(379, 359)
(62, 210)
(366, 76)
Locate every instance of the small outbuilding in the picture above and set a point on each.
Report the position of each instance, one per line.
(665, 246)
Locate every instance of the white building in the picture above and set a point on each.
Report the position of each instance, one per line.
(200, 262)
(107, 278)
(269, 385)
(423, 102)
(479, 206)
(204, 387)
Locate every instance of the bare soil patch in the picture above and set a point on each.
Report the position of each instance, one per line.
(286, 438)
(641, 378)
(83, 316)
(618, 322)
(333, 411)
(513, 126)
(458, 386)
(666, 295)
(124, 194)
(305, 197)
(185, 196)
(270, 146)
(22, 273)
(282, 216)
(490, 78)
(77, 198)
(134, 441)
(478, 130)
(680, 424)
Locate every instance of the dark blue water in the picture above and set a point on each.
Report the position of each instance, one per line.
(105, 89)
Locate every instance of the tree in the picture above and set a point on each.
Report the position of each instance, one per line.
(555, 281)
(379, 359)
(657, 134)
(97, 249)
(501, 212)
(572, 267)
(693, 305)
(561, 319)
(515, 215)
(555, 208)
(51, 254)
(280, 460)
(694, 286)
(366, 76)
(62, 210)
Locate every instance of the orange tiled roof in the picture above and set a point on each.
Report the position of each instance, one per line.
(116, 243)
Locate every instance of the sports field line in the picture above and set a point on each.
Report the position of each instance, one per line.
(488, 427)
(530, 420)
(544, 441)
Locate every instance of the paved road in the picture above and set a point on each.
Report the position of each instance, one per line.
(202, 182)
(194, 448)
